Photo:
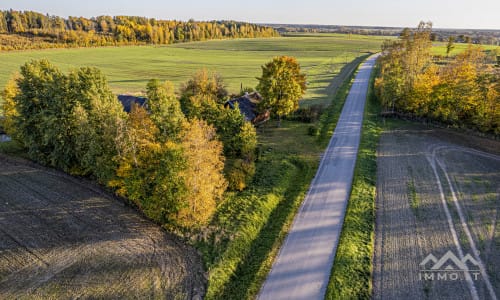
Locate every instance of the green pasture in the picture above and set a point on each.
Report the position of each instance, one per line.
(239, 61)
(439, 48)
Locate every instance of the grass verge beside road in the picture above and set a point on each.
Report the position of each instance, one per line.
(352, 269)
(253, 224)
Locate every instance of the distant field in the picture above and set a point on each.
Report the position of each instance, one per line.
(239, 61)
(440, 48)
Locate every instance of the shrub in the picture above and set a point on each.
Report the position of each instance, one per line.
(239, 174)
(313, 130)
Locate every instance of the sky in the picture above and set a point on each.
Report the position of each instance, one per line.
(476, 14)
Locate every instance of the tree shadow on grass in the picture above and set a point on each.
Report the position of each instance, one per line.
(249, 274)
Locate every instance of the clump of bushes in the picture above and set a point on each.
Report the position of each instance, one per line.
(308, 114)
(172, 165)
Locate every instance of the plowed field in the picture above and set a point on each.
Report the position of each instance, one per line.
(64, 238)
(437, 191)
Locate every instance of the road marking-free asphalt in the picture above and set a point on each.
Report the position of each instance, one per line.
(302, 267)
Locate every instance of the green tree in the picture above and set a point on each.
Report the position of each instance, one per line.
(282, 85)
(165, 108)
(450, 45)
(99, 117)
(149, 172)
(45, 123)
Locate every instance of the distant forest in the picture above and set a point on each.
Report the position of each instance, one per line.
(28, 30)
(473, 36)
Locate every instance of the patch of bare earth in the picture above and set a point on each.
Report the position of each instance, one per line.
(63, 238)
(435, 193)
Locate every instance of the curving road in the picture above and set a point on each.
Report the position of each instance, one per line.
(302, 268)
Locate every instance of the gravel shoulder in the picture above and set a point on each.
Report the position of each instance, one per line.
(64, 238)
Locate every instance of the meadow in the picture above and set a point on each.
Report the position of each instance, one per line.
(439, 48)
(238, 61)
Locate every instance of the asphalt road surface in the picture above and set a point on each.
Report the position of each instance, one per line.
(302, 268)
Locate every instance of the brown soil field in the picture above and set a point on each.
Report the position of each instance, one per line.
(437, 191)
(64, 238)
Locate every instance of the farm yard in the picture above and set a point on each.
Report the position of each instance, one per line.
(437, 191)
(64, 238)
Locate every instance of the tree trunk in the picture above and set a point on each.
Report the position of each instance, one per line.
(279, 121)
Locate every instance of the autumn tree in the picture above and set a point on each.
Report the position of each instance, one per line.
(8, 107)
(282, 85)
(149, 170)
(203, 177)
(463, 92)
(238, 137)
(205, 84)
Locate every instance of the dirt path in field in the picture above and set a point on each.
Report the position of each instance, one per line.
(63, 238)
(436, 194)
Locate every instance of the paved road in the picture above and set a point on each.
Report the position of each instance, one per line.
(302, 268)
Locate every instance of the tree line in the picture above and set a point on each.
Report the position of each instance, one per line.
(173, 159)
(464, 92)
(36, 30)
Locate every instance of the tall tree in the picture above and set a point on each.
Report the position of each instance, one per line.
(204, 178)
(99, 117)
(282, 84)
(165, 108)
(8, 108)
(149, 170)
(450, 45)
(205, 84)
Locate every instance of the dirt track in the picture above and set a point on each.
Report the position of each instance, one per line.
(414, 219)
(62, 238)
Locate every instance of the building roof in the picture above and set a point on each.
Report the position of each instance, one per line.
(128, 100)
(247, 105)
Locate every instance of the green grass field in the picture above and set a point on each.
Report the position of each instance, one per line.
(238, 61)
(439, 48)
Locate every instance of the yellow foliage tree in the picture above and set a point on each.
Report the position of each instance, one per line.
(10, 112)
(203, 177)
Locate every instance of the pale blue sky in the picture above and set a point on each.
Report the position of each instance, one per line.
(443, 13)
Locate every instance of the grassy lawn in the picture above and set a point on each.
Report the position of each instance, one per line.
(238, 61)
